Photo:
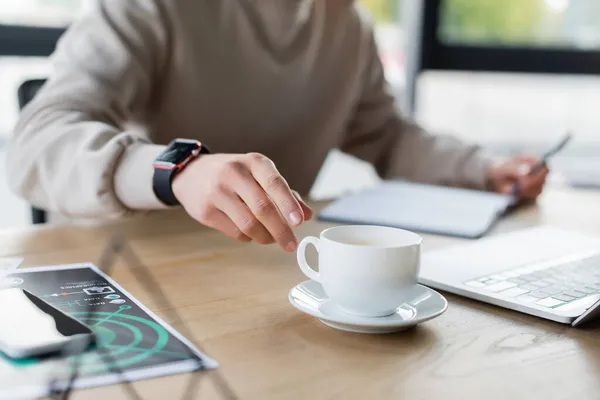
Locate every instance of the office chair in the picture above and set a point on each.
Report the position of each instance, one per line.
(26, 93)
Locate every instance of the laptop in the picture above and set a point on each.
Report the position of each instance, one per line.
(544, 271)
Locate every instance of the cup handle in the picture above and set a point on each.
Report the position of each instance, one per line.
(301, 254)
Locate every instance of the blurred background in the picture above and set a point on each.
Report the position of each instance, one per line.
(513, 75)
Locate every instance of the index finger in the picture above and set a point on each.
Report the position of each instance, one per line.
(277, 188)
(526, 158)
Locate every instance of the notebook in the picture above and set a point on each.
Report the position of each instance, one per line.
(422, 208)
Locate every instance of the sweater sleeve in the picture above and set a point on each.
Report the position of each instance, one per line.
(74, 150)
(399, 148)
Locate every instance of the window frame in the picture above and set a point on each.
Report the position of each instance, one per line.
(428, 53)
(26, 41)
(437, 55)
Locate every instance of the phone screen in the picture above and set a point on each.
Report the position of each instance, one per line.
(28, 322)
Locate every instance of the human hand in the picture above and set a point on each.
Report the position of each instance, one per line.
(243, 196)
(503, 176)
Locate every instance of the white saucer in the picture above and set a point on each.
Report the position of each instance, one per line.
(310, 298)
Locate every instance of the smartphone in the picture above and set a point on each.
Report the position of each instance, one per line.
(30, 327)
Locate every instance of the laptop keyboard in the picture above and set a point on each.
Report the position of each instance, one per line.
(546, 285)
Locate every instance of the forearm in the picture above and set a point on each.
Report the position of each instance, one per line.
(417, 155)
(399, 148)
(73, 150)
(63, 162)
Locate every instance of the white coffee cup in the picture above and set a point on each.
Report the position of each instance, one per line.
(367, 271)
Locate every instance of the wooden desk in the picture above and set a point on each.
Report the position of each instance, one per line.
(234, 298)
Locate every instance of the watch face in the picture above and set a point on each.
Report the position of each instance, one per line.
(178, 152)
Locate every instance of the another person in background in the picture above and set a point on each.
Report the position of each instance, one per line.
(270, 86)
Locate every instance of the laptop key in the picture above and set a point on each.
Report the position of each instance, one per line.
(539, 295)
(552, 281)
(518, 281)
(500, 286)
(549, 302)
(513, 292)
(563, 297)
(561, 278)
(526, 298)
(551, 290)
(528, 278)
(540, 274)
(488, 281)
(475, 284)
(529, 287)
(569, 286)
(562, 288)
(540, 284)
(575, 293)
(587, 290)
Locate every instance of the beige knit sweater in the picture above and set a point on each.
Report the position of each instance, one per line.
(291, 79)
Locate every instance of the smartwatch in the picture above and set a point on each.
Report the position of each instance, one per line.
(169, 163)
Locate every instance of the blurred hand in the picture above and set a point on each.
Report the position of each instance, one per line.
(243, 196)
(503, 177)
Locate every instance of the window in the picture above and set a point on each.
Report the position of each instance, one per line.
(529, 23)
(510, 112)
(514, 75)
(27, 33)
(390, 38)
(23, 18)
(47, 13)
(19, 20)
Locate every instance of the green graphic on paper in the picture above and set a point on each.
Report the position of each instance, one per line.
(103, 324)
(128, 338)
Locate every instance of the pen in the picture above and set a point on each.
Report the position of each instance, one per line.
(544, 161)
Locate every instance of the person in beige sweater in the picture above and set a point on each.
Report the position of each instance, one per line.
(270, 86)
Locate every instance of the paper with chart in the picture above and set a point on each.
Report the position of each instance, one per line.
(138, 342)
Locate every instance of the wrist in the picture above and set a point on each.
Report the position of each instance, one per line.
(172, 162)
(178, 183)
(133, 177)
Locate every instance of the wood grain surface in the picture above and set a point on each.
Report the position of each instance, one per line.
(233, 296)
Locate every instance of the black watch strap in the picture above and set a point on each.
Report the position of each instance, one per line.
(162, 183)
